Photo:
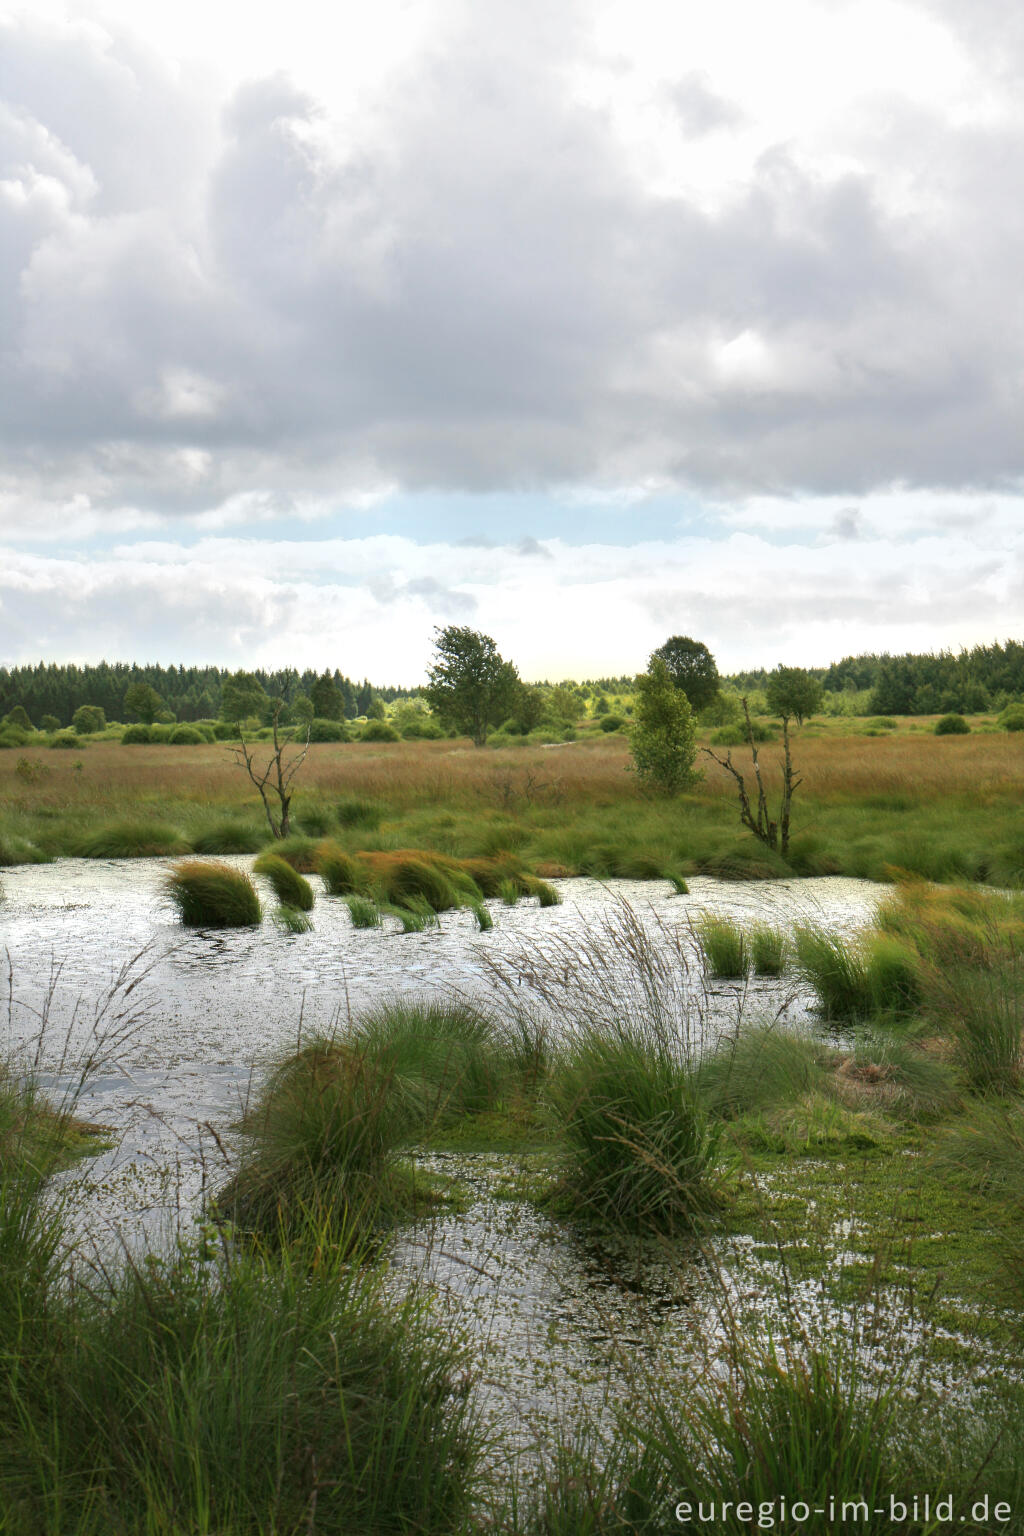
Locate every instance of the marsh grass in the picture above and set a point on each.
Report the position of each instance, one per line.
(132, 840)
(642, 1147)
(230, 836)
(289, 886)
(723, 947)
(325, 1135)
(763, 1066)
(239, 1395)
(342, 874)
(834, 967)
(212, 895)
(298, 850)
(363, 912)
(292, 919)
(769, 950)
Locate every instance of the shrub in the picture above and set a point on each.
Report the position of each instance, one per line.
(289, 886)
(19, 718)
(12, 736)
(132, 840)
(211, 895)
(768, 950)
(87, 719)
(136, 736)
(186, 736)
(663, 739)
(631, 1115)
(378, 730)
(68, 741)
(1012, 718)
(327, 730)
(723, 947)
(952, 725)
(49, 723)
(882, 723)
(353, 812)
(612, 723)
(422, 730)
(735, 735)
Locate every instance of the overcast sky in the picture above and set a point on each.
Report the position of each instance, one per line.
(583, 324)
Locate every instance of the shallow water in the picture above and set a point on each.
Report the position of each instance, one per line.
(180, 1025)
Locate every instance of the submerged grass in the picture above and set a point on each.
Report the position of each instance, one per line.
(212, 895)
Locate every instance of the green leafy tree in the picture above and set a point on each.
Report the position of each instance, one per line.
(242, 697)
(302, 710)
(143, 702)
(375, 709)
(563, 705)
(88, 718)
(470, 688)
(692, 669)
(19, 716)
(326, 698)
(793, 694)
(528, 708)
(49, 723)
(663, 739)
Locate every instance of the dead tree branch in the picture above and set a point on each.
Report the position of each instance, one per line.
(274, 780)
(774, 835)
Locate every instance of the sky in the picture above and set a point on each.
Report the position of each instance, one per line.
(582, 324)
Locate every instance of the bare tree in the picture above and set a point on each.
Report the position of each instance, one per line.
(275, 780)
(774, 834)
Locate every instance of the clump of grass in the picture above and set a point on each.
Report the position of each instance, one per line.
(237, 1395)
(289, 886)
(231, 836)
(893, 974)
(834, 967)
(769, 950)
(723, 947)
(292, 919)
(298, 851)
(414, 918)
(679, 884)
(484, 920)
(342, 874)
(762, 1067)
(212, 895)
(356, 812)
(546, 894)
(641, 1143)
(509, 892)
(364, 912)
(897, 1075)
(328, 1127)
(132, 840)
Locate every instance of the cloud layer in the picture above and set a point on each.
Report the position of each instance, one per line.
(772, 263)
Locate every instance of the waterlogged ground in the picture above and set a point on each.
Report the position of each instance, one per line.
(178, 1027)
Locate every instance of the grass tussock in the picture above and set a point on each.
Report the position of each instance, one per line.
(212, 895)
(227, 1393)
(723, 947)
(326, 1133)
(769, 950)
(342, 874)
(230, 836)
(641, 1144)
(292, 919)
(289, 886)
(363, 912)
(133, 840)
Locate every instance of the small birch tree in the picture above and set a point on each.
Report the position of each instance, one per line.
(663, 738)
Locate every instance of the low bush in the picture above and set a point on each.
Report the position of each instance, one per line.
(132, 840)
(952, 725)
(211, 895)
(69, 741)
(1012, 718)
(289, 886)
(723, 947)
(327, 730)
(612, 723)
(136, 736)
(186, 736)
(378, 730)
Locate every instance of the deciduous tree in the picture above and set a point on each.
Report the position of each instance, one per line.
(470, 688)
(692, 669)
(663, 738)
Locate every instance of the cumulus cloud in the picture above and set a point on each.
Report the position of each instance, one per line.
(470, 283)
